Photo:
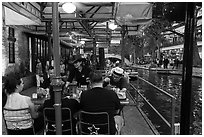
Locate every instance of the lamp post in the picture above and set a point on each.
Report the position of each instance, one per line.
(56, 80)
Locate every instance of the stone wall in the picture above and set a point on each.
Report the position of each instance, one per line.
(21, 50)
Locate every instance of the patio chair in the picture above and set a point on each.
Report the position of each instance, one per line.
(18, 118)
(93, 123)
(49, 121)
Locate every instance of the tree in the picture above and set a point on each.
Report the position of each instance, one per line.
(153, 35)
(197, 61)
(165, 23)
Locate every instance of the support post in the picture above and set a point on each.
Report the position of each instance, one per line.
(56, 81)
(123, 45)
(94, 54)
(189, 36)
(50, 47)
(101, 58)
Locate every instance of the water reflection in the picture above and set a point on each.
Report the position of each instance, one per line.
(171, 84)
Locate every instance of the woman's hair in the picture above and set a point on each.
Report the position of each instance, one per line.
(95, 76)
(12, 80)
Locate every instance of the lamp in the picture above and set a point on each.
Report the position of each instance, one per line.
(112, 25)
(82, 42)
(68, 7)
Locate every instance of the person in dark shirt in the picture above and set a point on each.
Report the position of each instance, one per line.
(99, 99)
(116, 79)
(79, 72)
(72, 104)
(45, 82)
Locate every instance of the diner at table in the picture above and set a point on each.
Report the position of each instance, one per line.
(99, 99)
(16, 102)
(66, 102)
(117, 81)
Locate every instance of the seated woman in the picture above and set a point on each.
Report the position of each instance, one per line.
(72, 104)
(15, 100)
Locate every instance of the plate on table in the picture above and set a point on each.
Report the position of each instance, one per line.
(121, 95)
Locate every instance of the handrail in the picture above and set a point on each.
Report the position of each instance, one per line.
(165, 93)
(156, 87)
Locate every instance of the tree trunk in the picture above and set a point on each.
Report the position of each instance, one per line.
(197, 61)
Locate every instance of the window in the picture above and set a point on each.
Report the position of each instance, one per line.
(11, 40)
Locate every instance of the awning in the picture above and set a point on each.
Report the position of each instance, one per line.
(134, 13)
(127, 62)
(13, 18)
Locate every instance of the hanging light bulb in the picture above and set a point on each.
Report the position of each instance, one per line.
(112, 25)
(69, 7)
(82, 42)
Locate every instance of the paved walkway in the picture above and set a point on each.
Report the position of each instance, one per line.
(135, 123)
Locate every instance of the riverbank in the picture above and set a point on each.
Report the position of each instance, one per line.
(197, 72)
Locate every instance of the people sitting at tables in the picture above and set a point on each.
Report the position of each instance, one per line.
(45, 79)
(99, 99)
(72, 104)
(13, 86)
(79, 72)
(116, 79)
(62, 68)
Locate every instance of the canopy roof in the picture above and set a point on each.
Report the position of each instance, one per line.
(90, 21)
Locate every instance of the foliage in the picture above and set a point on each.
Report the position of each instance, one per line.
(156, 28)
(135, 45)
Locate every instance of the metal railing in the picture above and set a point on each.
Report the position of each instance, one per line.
(170, 125)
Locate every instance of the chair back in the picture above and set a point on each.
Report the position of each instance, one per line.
(49, 121)
(16, 119)
(93, 123)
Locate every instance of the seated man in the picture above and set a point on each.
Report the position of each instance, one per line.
(45, 80)
(72, 104)
(99, 99)
(116, 79)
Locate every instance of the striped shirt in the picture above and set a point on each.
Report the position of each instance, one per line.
(17, 119)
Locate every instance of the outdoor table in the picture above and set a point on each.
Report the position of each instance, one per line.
(122, 96)
(76, 94)
(37, 98)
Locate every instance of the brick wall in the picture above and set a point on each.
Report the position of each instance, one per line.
(21, 49)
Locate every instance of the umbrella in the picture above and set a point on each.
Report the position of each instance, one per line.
(127, 62)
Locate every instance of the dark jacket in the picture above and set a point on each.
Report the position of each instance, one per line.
(101, 100)
(80, 77)
(72, 104)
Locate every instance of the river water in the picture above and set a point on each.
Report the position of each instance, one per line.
(172, 85)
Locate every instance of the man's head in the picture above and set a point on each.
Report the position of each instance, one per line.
(96, 77)
(77, 62)
(117, 73)
(50, 70)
